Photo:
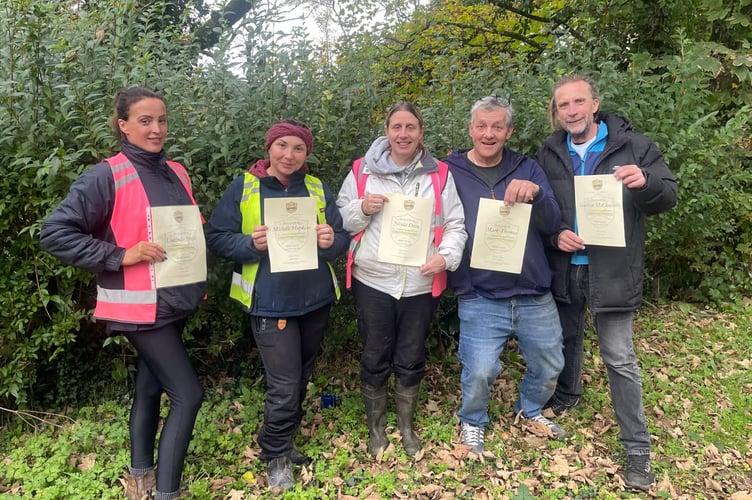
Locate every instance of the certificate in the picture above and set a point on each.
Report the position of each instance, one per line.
(406, 226)
(291, 233)
(178, 230)
(600, 212)
(500, 236)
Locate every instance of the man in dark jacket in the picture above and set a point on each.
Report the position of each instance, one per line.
(606, 279)
(495, 303)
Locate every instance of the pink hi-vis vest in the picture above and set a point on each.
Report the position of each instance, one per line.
(136, 302)
(438, 179)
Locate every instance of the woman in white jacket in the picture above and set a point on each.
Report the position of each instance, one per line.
(395, 303)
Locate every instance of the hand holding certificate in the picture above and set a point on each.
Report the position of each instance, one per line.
(291, 233)
(500, 236)
(405, 230)
(600, 213)
(178, 230)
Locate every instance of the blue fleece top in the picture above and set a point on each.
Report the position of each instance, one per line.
(586, 166)
(535, 278)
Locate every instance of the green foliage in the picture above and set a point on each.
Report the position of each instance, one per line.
(708, 151)
(59, 71)
(688, 89)
(700, 437)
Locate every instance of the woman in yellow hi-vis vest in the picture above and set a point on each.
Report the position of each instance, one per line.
(288, 301)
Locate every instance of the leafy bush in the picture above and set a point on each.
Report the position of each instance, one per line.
(61, 66)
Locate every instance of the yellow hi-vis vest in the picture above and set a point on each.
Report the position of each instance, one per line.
(241, 288)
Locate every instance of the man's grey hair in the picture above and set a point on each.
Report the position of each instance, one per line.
(492, 103)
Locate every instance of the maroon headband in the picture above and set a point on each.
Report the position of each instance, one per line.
(282, 129)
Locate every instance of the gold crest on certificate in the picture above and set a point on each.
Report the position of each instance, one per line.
(500, 236)
(178, 230)
(600, 213)
(405, 230)
(291, 233)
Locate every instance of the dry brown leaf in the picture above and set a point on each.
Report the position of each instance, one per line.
(684, 463)
(560, 466)
(461, 451)
(711, 451)
(741, 495)
(665, 485)
(432, 406)
(713, 484)
(87, 462)
(531, 483)
(219, 483)
(369, 494)
(235, 495)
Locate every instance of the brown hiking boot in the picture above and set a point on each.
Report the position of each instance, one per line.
(139, 487)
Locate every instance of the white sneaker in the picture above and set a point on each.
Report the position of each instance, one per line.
(472, 436)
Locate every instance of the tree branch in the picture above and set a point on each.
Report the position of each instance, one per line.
(208, 33)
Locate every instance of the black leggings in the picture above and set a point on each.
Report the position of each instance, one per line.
(163, 365)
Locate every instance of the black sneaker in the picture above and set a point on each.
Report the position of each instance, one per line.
(279, 472)
(558, 406)
(639, 475)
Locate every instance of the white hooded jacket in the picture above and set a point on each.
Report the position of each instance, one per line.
(385, 178)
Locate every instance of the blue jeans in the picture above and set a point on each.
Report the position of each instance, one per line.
(614, 331)
(485, 327)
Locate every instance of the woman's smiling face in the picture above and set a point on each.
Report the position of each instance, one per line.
(146, 126)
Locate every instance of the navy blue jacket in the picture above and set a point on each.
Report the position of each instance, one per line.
(277, 295)
(535, 278)
(615, 274)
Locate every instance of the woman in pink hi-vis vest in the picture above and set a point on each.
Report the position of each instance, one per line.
(107, 224)
(395, 300)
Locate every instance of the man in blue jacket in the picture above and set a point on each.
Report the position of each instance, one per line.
(495, 306)
(608, 280)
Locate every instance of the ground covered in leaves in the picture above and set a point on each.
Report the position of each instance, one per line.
(697, 382)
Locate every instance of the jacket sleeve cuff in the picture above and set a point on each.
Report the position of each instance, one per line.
(451, 264)
(115, 259)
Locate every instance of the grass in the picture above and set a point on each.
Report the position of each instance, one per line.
(697, 386)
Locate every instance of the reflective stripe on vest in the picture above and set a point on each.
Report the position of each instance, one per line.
(136, 302)
(241, 287)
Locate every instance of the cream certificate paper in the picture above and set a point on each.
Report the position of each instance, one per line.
(291, 233)
(600, 212)
(500, 236)
(405, 230)
(178, 230)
